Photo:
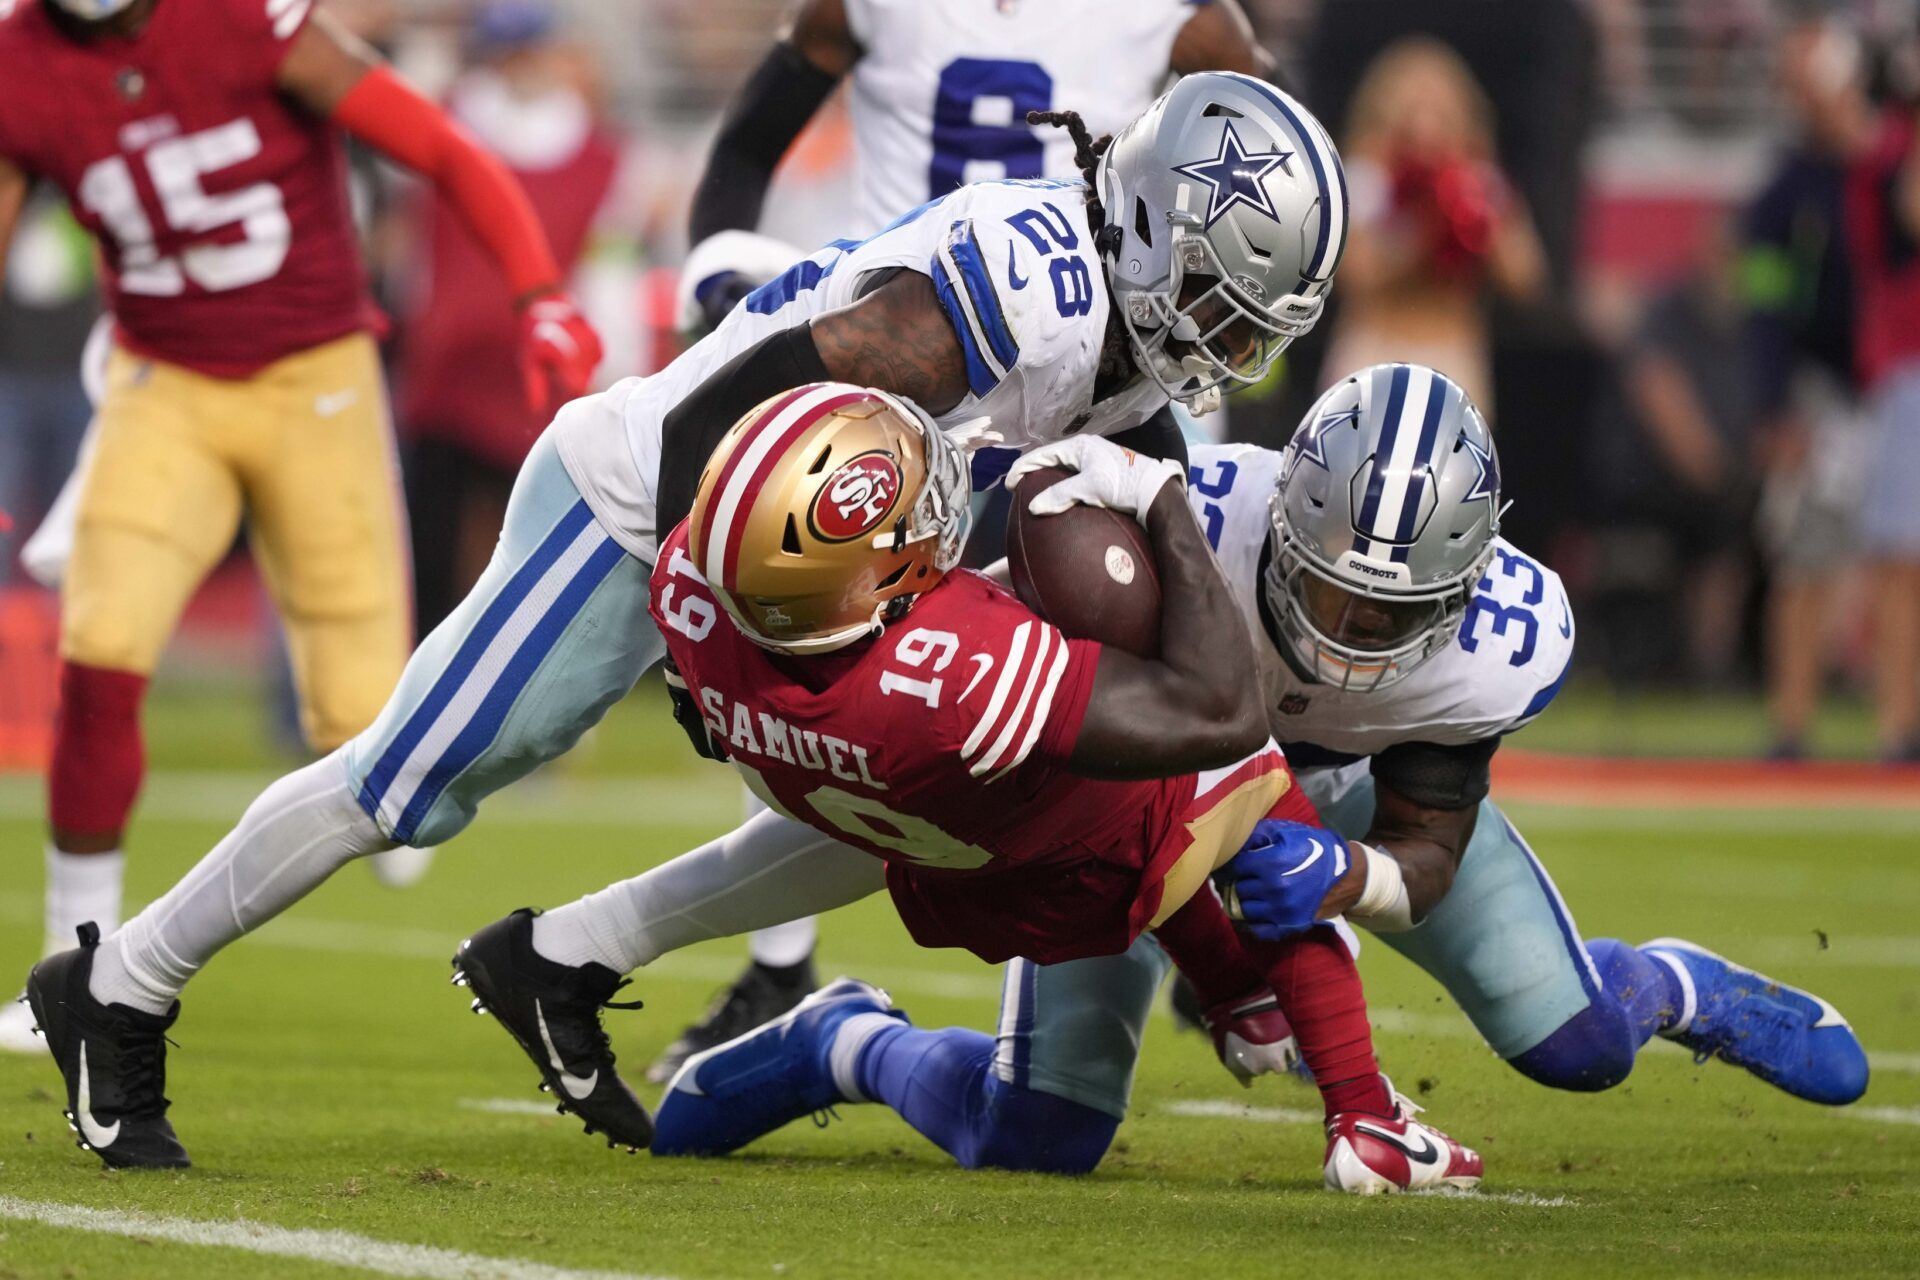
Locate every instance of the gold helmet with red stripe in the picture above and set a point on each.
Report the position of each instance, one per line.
(824, 512)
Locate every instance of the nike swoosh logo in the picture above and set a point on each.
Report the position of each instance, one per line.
(328, 405)
(1014, 277)
(96, 1134)
(1318, 850)
(1566, 621)
(986, 664)
(576, 1086)
(1427, 1153)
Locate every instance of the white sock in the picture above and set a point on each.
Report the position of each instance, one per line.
(848, 1041)
(81, 887)
(762, 874)
(298, 832)
(784, 945)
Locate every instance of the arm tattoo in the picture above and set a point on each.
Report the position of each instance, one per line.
(896, 338)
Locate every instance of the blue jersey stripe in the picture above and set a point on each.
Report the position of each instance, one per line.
(484, 727)
(981, 377)
(1383, 453)
(381, 776)
(981, 293)
(1569, 932)
(1547, 694)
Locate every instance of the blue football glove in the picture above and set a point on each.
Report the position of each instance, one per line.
(1282, 874)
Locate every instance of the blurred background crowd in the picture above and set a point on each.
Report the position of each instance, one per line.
(1672, 246)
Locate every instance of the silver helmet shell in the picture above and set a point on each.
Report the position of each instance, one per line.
(1384, 517)
(1227, 183)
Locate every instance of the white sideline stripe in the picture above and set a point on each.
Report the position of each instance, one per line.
(1527, 1198)
(1221, 1109)
(1884, 1115)
(333, 1248)
(508, 1106)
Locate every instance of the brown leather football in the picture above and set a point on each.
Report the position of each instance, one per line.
(1088, 571)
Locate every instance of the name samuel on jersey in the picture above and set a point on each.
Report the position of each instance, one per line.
(778, 740)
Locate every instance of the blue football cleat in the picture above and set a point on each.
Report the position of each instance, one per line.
(1790, 1038)
(727, 1096)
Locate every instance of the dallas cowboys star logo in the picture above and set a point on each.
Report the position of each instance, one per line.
(1313, 440)
(1235, 176)
(1487, 483)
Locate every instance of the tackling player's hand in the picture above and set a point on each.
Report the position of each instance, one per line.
(1252, 1036)
(1109, 476)
(558, 351)
(718, 295)
(686, 714)
(1280, 880)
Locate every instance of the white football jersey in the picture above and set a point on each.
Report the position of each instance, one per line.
(1506, 663)
(1014, 267)
(942, 88)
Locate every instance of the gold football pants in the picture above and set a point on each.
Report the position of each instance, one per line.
(304, 450)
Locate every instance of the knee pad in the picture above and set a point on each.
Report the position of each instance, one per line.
(1028, 1131)
(1591, 1051)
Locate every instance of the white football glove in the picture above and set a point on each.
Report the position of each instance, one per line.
(1111, 477)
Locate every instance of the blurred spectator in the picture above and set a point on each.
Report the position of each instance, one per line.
(1799, 294)
(463, 409)
(1883, 209)
(1674, 471)
(1435, 223)
(47, 306)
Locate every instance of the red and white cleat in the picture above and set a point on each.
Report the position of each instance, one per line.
(1367, 1155)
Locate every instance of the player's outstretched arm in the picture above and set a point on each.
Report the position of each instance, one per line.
(335, 75)
(773, 106)
(1197, 705)
(896, 338)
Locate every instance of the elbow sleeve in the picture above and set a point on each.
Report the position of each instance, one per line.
(768, 114)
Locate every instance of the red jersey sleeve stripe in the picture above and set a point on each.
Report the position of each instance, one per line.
(1009, 672)
(1015, 719)
(1042, 706)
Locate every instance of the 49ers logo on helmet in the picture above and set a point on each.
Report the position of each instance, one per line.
(856, 497)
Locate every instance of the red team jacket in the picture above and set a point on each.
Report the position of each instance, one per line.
(941, 747)
(220, 204)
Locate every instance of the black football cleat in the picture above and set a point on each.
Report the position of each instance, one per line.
(553, 1011)
(114, 1059)
(759, 995)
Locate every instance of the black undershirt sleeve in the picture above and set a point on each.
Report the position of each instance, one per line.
(779, 362)
(1158, 437)
(761, 123)
(1437, 777)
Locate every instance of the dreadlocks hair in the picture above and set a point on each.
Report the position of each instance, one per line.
(1087, 151)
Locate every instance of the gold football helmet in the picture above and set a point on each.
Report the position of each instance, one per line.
(825, 511)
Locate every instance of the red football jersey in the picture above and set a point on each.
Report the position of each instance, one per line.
(940, 747)
(219, 203)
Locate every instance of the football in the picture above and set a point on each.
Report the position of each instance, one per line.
(1088, 571)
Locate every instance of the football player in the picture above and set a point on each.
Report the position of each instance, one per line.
(1400, 639)
(940, 95)
(1025, 794)
(199, 142)
(1204, 245)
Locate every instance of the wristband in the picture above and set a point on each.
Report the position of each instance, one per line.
(1383, 906)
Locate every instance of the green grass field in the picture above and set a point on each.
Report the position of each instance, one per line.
(328, 1078)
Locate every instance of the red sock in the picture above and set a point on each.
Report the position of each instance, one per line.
(1318, 985)
(98, 760)
(1206, 946)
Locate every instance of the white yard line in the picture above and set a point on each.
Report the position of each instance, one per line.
(334, 1248)
(1884, 1115)
(508, 1106)
(1222, 1109)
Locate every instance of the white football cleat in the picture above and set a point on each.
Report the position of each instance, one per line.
(16, 1029)
(1252, 1037)
(402, 867)
(1367, 1155)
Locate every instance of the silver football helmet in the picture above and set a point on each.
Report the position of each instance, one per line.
(1384, 516)
(1226, 213)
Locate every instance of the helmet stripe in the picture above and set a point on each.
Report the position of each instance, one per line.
(1368, 523)
(747, 475)
(1324, 159)
(719, 513)
(1439, 391)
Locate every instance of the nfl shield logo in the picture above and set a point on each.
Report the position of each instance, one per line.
(1293, 704)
